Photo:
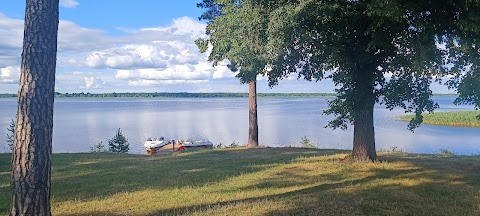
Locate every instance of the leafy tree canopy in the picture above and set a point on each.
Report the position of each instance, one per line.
(464, 53)
(374, 51)
(238, 35)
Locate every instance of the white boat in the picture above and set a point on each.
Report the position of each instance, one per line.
(205, 143)
(155, 142)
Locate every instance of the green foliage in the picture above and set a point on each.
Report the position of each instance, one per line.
(237, 32)
(234, 145)
(306, 143)
(446, 152)
(468, 89)
(463, 52)
(356, 43)
(213, 10)
(118, 144)
(220, 145)
(9, 137)
(99, 147)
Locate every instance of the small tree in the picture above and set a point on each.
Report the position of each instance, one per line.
(11, 132)
(99, 147)
(306, 143)
(118, 143)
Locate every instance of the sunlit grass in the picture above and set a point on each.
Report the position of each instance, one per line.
(455, 118)
(271, 181)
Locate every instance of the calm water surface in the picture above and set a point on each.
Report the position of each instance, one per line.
(79, 123)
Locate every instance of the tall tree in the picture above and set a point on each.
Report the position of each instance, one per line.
(31, 159)
(374, 51)
(237, 32)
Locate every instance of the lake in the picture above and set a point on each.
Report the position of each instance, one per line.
(79, 123)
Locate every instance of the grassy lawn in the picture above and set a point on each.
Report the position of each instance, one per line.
(271, 181)
(455, 118)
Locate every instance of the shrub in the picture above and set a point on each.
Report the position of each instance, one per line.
(118, 143)
(99, 147)
(306, 143)
(11, 133)
(234, 145)
(446, 152)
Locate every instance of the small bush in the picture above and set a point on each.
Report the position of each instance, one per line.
(306, 143)
(394, 149)
(234, 145)
(99, 147)
(118, 144)
(11, 133)
(446, 152)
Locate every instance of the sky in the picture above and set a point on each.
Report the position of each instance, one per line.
(130, 46)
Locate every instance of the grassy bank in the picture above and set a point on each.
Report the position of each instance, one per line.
(278, 181)
(456, 118)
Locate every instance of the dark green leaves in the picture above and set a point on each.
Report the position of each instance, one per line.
(238, 34)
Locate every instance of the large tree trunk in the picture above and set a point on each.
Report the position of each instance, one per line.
(252, 118)
(364, 135)
(31, 163)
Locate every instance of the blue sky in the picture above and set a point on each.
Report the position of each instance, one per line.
(129, 46)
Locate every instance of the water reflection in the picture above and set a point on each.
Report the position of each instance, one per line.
(81, 123)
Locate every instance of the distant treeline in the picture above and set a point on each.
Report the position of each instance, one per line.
(178, 95)
(8, 95)
(187, 95)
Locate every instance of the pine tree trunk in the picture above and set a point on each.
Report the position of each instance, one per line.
(364, 135)
(31, 163)
(252, 118)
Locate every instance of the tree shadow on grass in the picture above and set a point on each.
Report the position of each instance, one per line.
(422, 190)
(400, 186)
(82, 177)
(299, 182)
(323, 199)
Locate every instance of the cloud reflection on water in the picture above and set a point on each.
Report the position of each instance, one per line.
(81, 123)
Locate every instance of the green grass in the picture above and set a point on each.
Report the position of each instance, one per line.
(270, 181)
(455, 118)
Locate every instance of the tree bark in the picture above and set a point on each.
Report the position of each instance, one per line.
(252, 118)
(364, 135)
(31, 163)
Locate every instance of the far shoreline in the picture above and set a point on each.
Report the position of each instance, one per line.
(190, 95)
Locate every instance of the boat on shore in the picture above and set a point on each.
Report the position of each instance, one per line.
(200, 143)
(161, 145)
(155, 143)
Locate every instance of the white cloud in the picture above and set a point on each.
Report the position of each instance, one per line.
(11, 38)
(10, 74)
(163, 82)
(69, 3)
(73, 41)
(184, 26)
(177, 72)
(72, 37)
(81, 80)
(157, 48)
(129, 56)
(154, 56)
(92, 82)
(136, 60)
